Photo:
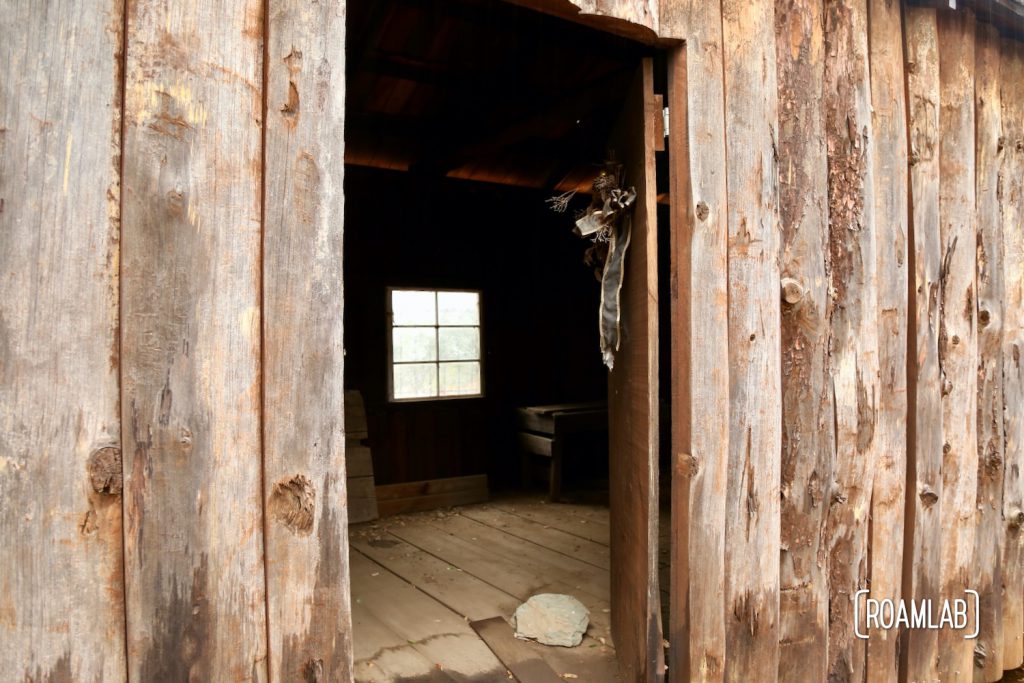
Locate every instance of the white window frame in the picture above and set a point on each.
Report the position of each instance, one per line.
(438, 362)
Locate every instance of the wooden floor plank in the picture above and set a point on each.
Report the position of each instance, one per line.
(541, 534)
(458, 590)
(589, 522)
(412, 619)
(446, 579)
(514, 566)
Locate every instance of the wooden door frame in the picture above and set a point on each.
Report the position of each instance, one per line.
(654, 626)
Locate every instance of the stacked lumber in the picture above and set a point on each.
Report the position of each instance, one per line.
(362, 494)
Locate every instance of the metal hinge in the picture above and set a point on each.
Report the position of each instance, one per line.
(664, 120)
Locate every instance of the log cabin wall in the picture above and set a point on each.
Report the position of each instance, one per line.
(895, 142)
(848, 202)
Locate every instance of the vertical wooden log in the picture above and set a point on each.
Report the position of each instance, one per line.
(889, 123)
(310, 626)
(987, 577)
(808, 417)
(633, 402)
(752, 514)
(61, 589)
(1011, 196)
(958, 339)
(700, 362)
(191, 341)
(921, 564)
(854, 346)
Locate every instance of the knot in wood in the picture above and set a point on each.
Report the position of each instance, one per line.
(1016, 520)
(104, 469)
(984, 317)
(702, 211)
(293, 502)
(792, 291)
(928, 496)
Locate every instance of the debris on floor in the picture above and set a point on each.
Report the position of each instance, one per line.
(552, 619)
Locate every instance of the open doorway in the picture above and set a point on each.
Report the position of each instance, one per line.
(472, 343)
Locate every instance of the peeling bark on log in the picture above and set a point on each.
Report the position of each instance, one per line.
(958, 340)
(889, 124)
(752, 515)
(854, 349)
(310, 626)
(191, 341)
(1011, 194)
(61, 590)
(987, 577)
(700, 363)
(924, 454)
(808, 417)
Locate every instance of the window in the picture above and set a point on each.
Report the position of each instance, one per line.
(435, 343)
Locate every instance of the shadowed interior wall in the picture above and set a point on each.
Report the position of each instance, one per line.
(538, 309)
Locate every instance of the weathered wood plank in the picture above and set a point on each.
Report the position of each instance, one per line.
(512, 565)
(416, 621)
(190, 340)
(924, 438)
(1011, 193)
(891, 196)
(752, 513)
(700, 352)
(61, 588)
(310, 628)
(987, 577)
(633, 402)
(958, 339)
(470, 596)
(808, 418)
(635, 19)
(590, 523)
(553, 539)
(854, 323)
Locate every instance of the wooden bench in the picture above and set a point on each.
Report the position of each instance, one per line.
(544, 430)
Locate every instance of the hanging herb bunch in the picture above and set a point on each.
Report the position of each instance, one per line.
(607, 222)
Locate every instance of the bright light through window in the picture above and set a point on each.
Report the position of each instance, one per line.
(435, 344)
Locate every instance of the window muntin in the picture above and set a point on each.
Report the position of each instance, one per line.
(435, 349)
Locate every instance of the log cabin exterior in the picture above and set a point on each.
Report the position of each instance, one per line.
(845, 309)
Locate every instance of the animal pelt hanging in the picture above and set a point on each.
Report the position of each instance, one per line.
(608, 223)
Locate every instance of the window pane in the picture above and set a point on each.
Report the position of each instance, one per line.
(415, 381)
(412, 307)
(413, 344)
(458, 308)
(459, 379)
(459, 343)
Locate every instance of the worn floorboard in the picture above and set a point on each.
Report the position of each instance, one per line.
(404, 618)
(411, 574)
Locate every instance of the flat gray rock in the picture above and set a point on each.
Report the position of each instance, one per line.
(552, 619)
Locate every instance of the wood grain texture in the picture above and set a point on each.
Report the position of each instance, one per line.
(190, 340)
(958, 339)
(633, 403)
(1011, 194)
(61, 590)
(891, 194)
(637, 20)
(808, 416)
(924, 443)
(700, 352)
(987, 575)
(310, 627)
(854, 345)
(752, 514)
